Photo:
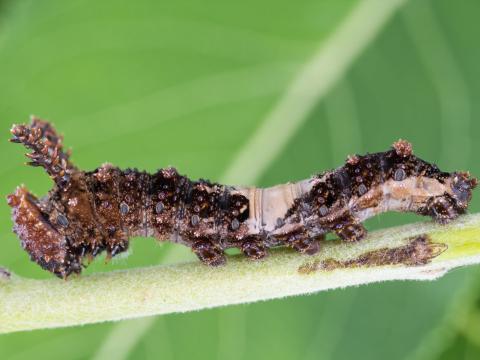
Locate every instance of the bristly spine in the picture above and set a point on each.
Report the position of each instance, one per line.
(87, 213)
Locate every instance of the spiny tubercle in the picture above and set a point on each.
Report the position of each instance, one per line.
(89, 212)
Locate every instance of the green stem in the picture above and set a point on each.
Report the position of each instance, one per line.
(419, 251)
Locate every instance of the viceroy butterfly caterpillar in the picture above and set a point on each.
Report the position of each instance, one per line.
(88, 212)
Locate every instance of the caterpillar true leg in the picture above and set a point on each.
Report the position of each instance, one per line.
(351, 232)
(304, 243)
(208, 253)
(253, 249)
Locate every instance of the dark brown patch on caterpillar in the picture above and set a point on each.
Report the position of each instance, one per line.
(419, 251)
(89, 212)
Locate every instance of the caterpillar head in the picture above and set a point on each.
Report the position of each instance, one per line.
(39, 235)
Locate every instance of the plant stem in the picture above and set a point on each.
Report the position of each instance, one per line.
(391, 254)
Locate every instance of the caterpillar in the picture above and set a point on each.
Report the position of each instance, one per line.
(88, 212)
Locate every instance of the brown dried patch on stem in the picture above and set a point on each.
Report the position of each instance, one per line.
(419, 251)
(4, 274)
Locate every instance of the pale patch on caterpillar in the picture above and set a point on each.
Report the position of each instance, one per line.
(86, 213)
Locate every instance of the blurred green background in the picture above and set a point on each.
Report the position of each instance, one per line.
(153, 83)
